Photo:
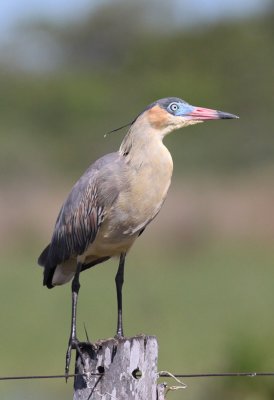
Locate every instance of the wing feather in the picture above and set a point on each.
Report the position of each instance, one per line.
(77, 225)
(82, 213)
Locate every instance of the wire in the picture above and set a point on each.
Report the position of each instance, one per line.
(161, 375)
(221, 374)
(10, 378)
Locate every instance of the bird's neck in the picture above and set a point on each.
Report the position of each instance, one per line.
(149, 170)
(141, 142)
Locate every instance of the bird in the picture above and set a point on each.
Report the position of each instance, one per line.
(114, 201)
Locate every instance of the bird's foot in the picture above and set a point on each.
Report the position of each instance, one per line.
(119, 335)
(73, 344)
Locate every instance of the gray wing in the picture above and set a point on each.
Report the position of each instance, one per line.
(82, 213)
(78, 222)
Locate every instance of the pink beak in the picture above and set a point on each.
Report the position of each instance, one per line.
(199, 113)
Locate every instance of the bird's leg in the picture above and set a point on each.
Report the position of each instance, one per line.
(119, 279)
(73, 341)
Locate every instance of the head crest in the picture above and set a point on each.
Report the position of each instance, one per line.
(121, 127)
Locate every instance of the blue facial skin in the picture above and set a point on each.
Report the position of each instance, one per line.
(179, 109)
(173, 105)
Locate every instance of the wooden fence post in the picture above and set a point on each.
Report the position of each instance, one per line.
(129, 367)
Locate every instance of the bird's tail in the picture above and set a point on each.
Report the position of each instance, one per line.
(58, 274)
(43, 258)
(43, 261)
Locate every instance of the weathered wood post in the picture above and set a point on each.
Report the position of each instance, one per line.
(129, 368)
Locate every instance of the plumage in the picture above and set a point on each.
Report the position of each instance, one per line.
(81, 216)
(115, 199)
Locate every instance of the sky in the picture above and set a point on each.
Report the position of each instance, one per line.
(14, 11)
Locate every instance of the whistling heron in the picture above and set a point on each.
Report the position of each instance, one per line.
(115, 199)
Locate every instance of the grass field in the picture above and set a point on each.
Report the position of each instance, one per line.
(210, 306)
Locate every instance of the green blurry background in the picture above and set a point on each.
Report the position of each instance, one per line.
(201, 277)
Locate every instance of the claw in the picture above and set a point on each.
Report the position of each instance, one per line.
(73, 344)
(68, 358)
(86, 333)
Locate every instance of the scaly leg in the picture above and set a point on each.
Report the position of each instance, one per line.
(73, 341)
(119, 280)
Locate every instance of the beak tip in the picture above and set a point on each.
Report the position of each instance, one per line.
(224, 115)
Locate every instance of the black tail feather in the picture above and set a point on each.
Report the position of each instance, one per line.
(43, 258)
(49, 268)
(48, 275)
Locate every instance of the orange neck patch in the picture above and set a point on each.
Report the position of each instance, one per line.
(157, 117)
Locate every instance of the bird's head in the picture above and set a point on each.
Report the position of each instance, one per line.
(168, 114)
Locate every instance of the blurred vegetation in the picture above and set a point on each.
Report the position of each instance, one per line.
(63, 87)
(108, 71)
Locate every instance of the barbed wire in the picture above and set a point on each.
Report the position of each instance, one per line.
(160, 374)
(25, 377)
(219, 374)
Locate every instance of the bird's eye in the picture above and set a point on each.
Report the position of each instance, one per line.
(173, 107)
